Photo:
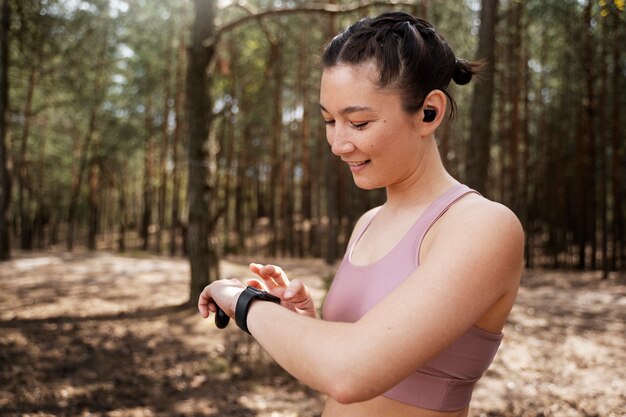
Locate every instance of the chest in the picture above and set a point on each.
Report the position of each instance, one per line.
(359, 287)
(380, 238)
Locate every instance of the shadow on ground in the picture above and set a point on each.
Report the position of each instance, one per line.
(123, 358)
(106, 335)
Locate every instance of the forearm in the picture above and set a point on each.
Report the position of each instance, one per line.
(316, 352)
(349, 361)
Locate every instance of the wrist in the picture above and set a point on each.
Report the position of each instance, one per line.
(246, 298)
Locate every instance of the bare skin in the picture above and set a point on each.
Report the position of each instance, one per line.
(470, 261)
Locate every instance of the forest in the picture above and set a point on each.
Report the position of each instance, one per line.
(190, 130)
(100, 140)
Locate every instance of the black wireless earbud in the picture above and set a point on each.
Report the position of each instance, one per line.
(429, 115)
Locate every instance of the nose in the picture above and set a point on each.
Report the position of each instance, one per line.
(340, 143)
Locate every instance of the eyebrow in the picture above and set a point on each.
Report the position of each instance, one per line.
(349, 109)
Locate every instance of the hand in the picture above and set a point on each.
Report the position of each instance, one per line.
(223, 292)
(294, 295)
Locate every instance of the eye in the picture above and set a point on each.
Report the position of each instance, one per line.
(359, 126)
(329, 122)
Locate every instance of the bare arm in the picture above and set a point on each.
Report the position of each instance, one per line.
(474, 261)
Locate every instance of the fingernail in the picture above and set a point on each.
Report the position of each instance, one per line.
(288, 294)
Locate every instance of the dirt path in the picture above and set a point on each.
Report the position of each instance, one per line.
(106, 335)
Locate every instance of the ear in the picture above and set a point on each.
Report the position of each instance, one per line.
(432, 112)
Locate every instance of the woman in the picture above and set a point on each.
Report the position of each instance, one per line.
(415, 313)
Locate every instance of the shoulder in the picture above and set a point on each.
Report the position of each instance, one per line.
(479, 233)
(476, 211)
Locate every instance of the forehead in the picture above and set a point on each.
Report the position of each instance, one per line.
(361, 73)
(353, 84)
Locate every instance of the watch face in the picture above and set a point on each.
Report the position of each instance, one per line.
(261, 295)
(256, 291)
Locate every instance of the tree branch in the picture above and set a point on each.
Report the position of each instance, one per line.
(328, 9)
(254, 14)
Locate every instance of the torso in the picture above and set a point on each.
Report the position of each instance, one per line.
(379, 239)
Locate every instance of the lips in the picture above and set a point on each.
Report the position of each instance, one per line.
(356, 163)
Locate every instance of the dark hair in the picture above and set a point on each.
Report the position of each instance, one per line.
(409, 54)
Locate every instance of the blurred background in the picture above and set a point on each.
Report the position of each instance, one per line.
(145, 129)
(96, 125)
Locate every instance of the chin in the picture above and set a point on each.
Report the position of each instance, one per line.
(367, 185)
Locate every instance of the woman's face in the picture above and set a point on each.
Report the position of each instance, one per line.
(367, 128)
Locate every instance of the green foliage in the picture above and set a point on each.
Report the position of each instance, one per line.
(86, 55)
(119, 59)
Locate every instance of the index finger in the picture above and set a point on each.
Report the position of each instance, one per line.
(276, 273)
(268, 280)
(272, 275)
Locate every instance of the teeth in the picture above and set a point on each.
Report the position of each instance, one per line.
(356, 164)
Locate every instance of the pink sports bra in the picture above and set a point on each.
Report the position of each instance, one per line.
(446, 382)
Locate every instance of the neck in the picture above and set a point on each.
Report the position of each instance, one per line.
(425, 183)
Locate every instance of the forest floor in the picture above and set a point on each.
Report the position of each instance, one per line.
(100, 334)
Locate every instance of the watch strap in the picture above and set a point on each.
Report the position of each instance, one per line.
(245, 301)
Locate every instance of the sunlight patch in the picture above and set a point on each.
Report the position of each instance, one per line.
(33, 263)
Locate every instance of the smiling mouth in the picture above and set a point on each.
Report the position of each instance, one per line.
(357, 164)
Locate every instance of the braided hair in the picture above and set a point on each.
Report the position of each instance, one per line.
(411, 57)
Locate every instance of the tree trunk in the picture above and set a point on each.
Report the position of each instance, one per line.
(305, 157)
(503, 132)
(148, 191)
(203, 256)
(332, 189)
(591, 157)
(482, 99)
(276, 183)
(617, 142)
(229, 179)
(585, 172)
(42, 218)
(80, 169)
(286, 188)
(163, 157)
(121, 242)
(94, 209)
(24, 189)
(422, 9)
(317, 228)
(526, 199)
(242, 217)
(83, 157)
(602, 194)
(178, 130)
(5, 180)
(516, 90)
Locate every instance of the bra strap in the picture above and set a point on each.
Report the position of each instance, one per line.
(360, 233)
(438, 209)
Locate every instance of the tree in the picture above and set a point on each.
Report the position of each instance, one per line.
(618, 147)
(95, 101)
(175, 224)
(98, 115)
(332, 186)
(5, 180)
(482, 102)
(148, 174)
(203, 256)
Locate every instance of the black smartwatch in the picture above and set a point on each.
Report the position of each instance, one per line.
(245, 300)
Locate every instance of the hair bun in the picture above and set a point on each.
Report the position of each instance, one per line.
(463, 72)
